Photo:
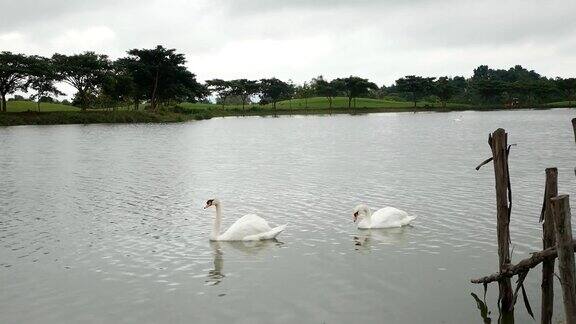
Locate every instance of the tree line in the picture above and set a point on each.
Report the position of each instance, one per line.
(158, 77)
(154, 76)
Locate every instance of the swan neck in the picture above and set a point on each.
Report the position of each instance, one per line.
(217, 222)
(368, 214)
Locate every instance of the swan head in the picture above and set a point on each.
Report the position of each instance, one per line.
(361, 211)
(212, 202)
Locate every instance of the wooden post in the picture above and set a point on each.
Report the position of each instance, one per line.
(574, 126)
(548, 240)
(563, 226)
(499, 144)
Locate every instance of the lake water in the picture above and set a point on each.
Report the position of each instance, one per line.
(104, 223)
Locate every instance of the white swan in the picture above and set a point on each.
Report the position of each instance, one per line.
(248, 228)
(386, 217)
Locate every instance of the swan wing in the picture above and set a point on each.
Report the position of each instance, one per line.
(390, 217)
(271, 234)
(246, 226)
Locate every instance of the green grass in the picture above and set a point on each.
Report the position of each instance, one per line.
(23, 105)
(561, 104)
(323, 103)
(294, 104)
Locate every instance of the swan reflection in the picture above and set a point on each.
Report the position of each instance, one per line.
(366, 239)
(246, 248)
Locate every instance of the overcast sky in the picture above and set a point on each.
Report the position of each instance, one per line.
(295, 39)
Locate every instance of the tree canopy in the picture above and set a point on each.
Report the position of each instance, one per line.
(354, 87)
(42, 78)
(14, 69)
(274, 90)
(159, 75)
(417, 86)
(244, 88)
(85, 72)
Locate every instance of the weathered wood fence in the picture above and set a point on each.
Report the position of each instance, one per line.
(557, 240)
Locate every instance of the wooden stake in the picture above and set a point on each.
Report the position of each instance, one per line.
(548, 240)
(574, 126)
(563, 226)
(499, 144)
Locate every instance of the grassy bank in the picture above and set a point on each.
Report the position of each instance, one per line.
(24, 112)
(561, 104)
(93, 117)
(323, 103)
(24, 105)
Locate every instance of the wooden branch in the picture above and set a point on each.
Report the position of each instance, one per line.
(488, 160)
(522, 266)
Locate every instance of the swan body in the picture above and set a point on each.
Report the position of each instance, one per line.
(386, 217)
(248, 228)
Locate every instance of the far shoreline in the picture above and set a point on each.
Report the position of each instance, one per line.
(139, 117)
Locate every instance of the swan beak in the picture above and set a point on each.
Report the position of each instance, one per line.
(355, 217)
(207, 206)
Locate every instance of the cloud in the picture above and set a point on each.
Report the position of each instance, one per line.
(298, 39)
(91, 38)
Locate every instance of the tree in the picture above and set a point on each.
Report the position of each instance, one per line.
(444, 89)
(568, 86)
(130, 69)
(118, 89)
(85, 72)
(304, 91)
(324, 88)
(489, 90)
(42, 76)
(244, 89)
(221, 88)
(417, 86)
(160, 75)
(13, 71)
(274, 90)
(354, 87)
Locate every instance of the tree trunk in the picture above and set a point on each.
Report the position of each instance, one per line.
(548, 240)
(499, 144)
(306, 106)
(563, 226)
(349, 102)
(4, 108)
(153, 99)
(330, 102)
(83, 99)
(274, 105)
(38, 103)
